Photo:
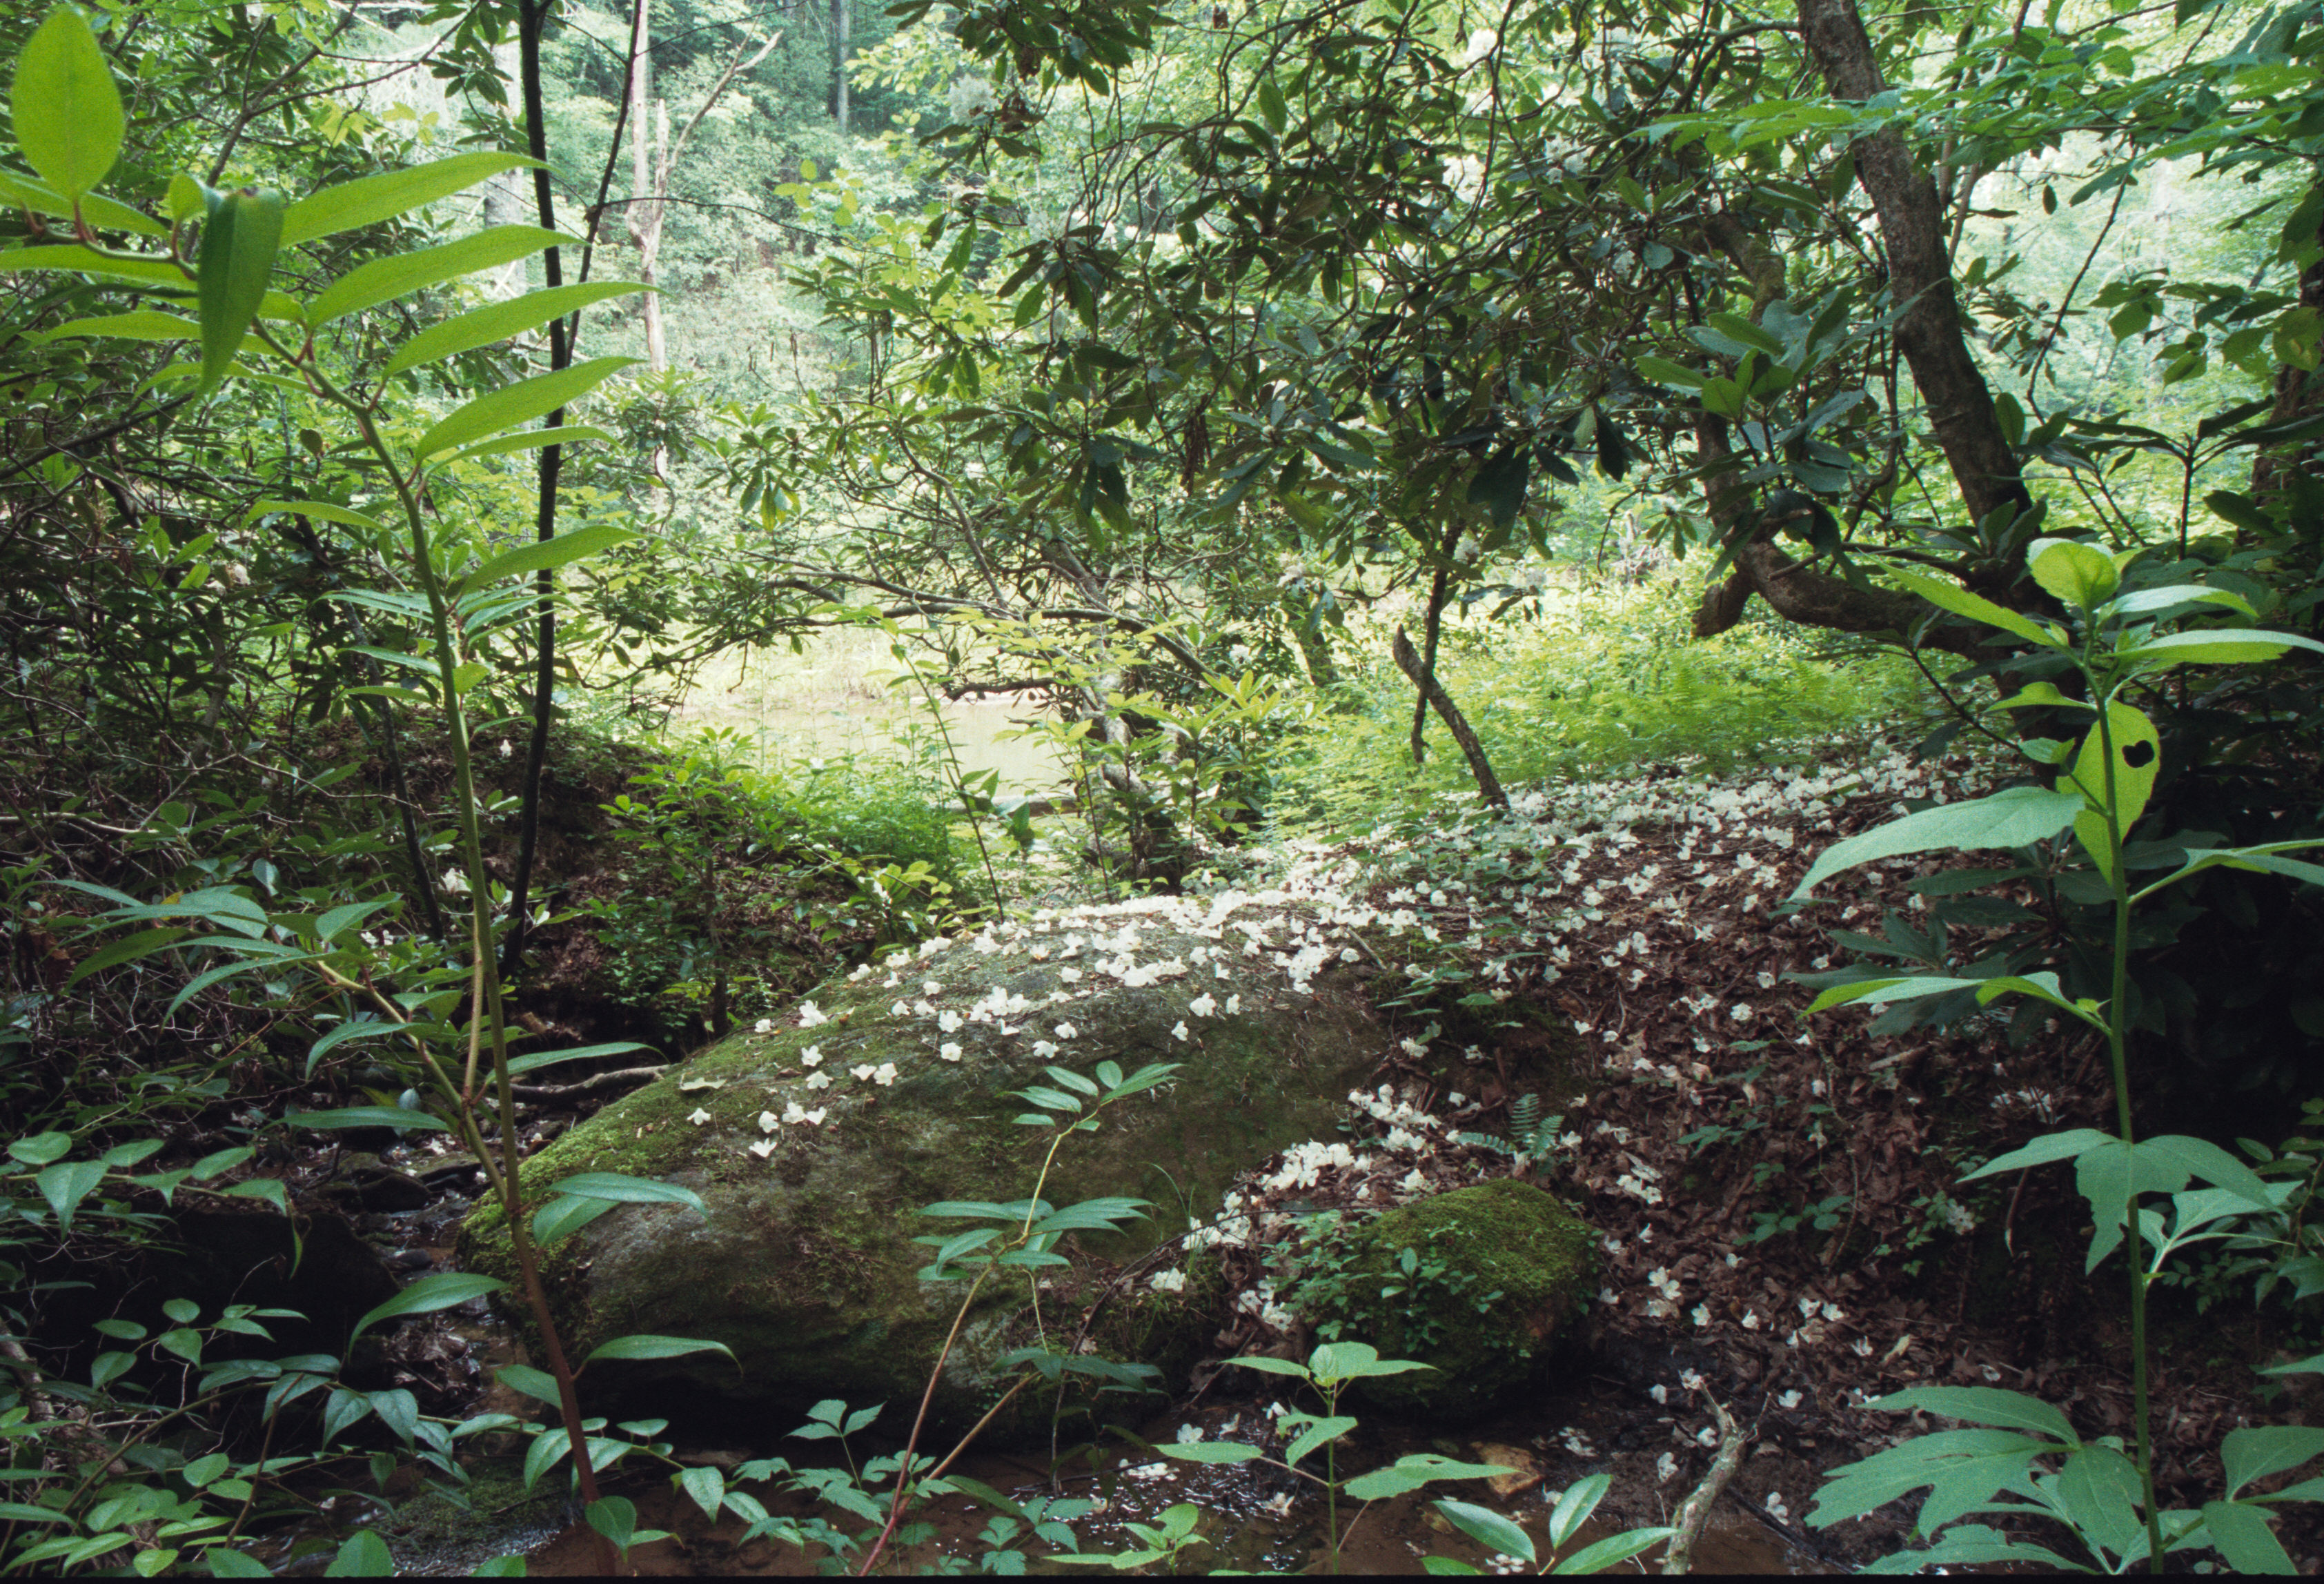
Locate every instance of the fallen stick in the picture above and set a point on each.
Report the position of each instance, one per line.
(547, 1091)
(1694, 1513)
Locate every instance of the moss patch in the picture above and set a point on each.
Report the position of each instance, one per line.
(1476, 1283)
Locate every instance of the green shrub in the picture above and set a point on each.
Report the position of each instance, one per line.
(1607, 681)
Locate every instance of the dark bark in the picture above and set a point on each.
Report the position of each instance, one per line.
(1432, 692)
(1798, 593)
(1920, 271)
(530, 17)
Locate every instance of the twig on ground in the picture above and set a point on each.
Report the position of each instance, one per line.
(1694, 1512)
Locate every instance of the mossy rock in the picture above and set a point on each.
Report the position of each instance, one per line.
(1504, 1240)
(804, 1264)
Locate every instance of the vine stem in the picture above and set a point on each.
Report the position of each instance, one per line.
(484, 1010)
(936, 1373)
(2118, 1057)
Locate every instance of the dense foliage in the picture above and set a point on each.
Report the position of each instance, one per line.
(405, 405)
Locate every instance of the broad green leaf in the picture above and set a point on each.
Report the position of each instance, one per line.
(627, 1190)
(2148, 600)
(2137, 760)
(1600, 1555)
(1982, 1405)
(2100, 1490)
(2047, 1150)
(2241, 1536)
(41, 1148)
(566, 1214)
(545, 554)
(382, 279)
(2258, 1451)
(2012, 818)
(239, 242)
(646, 1347)
(367, 1116)
(128, 949)
(1268, 1366)
(72, 256)
(2218, 647)
(225, 1562)
(1662, 371)
(1952, 597)
(366, 1556)
(532, 440)
(2080, 576)
(706, 1485)
(540, 1059)
(498, 321)
(101, 212)
(1211, 1452)
(1573, 1508)
(429, 1294)
(322, 509)
(66, 113)
(1415, 1469)
(537, 1384)
(144, 324)
(1314, 1435)
(369, 199)
(1963, 1469)
(545, 1453)
(2200, 1159)
(1488, 1528)
(65, 1184)
(512, 405)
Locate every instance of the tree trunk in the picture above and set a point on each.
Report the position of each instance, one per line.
(841, 19)
(1920, 272)
(506, 199)
(645, 209)
(1407, 660)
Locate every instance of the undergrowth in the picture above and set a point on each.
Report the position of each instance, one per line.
(1606, 682)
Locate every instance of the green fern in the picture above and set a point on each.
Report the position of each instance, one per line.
(1536, 1134)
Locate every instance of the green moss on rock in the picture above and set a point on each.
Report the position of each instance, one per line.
(804, 1263)
(1477, 1282)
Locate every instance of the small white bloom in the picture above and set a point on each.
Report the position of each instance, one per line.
(886, 1075)
(764, 1026)
(812, 1056)
(950, 1023)
(809, 1015)
(1066, 1031)
(949, 1051)
(1234, 1005)
(818, 1080)
(769, 1122)
(698, 1117)
(1701, 1314)
(1788, 1400)
(763, 1148)
(1180, 1031)
(863, 1073)
(1202, 1006)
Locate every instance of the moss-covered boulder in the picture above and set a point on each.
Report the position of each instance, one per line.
(815, 1140)
(1476, 1283)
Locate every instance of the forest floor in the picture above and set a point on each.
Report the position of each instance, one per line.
(1781, 1231)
